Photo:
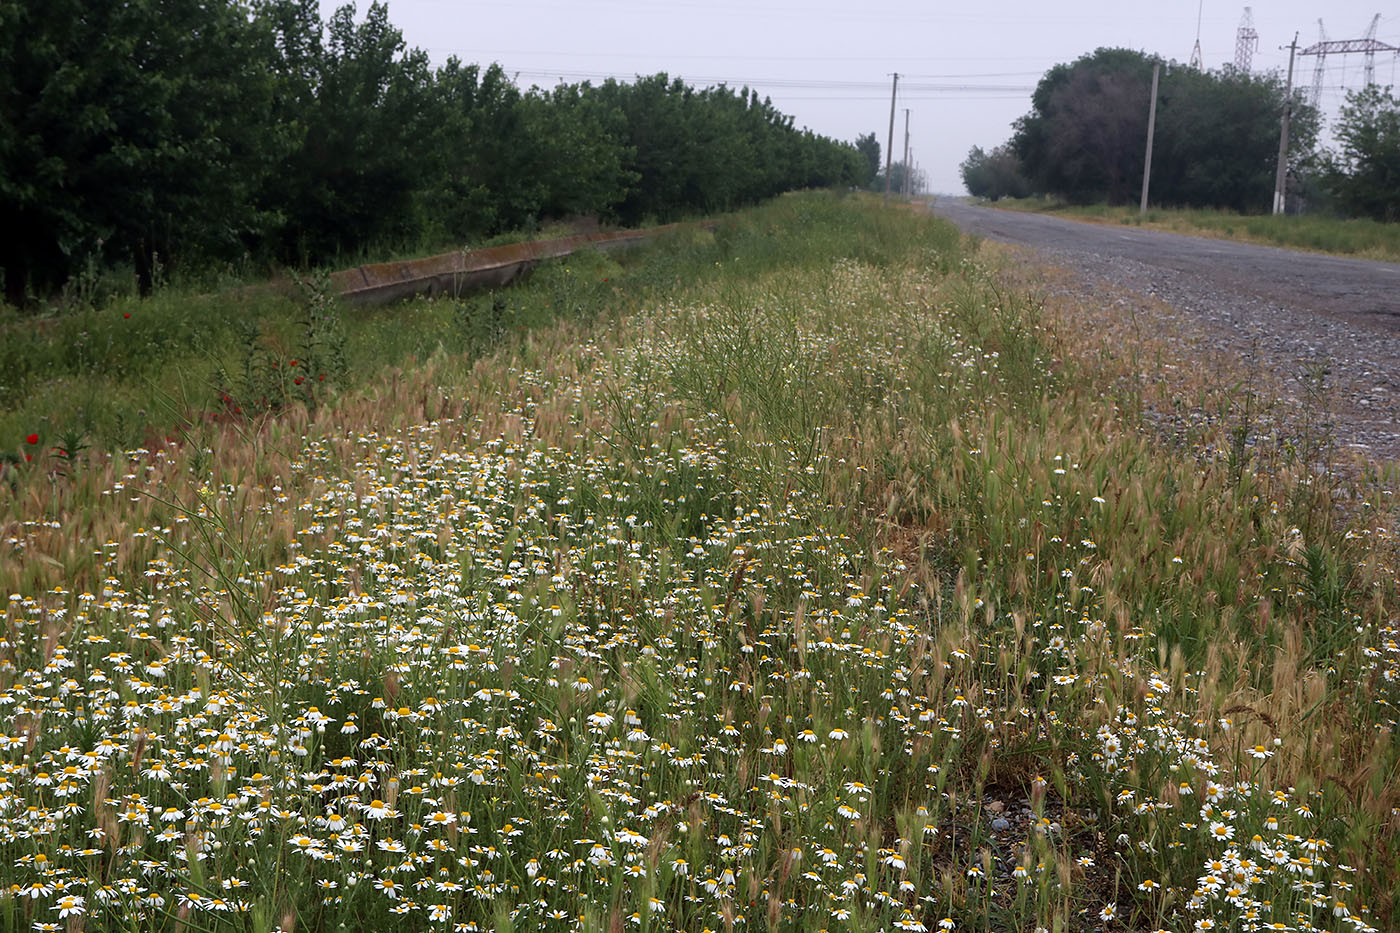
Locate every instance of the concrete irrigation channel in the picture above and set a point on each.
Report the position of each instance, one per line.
(464, 271)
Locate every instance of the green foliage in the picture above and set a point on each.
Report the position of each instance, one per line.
(1365, 177)
(275, 373)
(715, 149)
(480, 192)
(574, 152)
(843, 558)
(994, 175)
(153, 134)
(128, 133)
(140, 367)
(368, 129)
(869, 147)
(517, 157)
(1216, 137)
(1084, 137)
(899, 173)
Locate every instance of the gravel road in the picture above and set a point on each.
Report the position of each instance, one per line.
(1286, 311)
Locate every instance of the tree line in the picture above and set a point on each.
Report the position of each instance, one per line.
(1216, 141)
(138, 134)
(869, 148)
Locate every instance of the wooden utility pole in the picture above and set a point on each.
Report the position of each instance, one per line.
(889, 143)
(1281, 171)
(1151, 128)
(905, 180)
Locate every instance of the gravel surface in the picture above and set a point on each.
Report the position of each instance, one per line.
(1292, 315)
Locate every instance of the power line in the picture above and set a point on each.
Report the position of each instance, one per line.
(556, 53)
(789, 83)
(844, 12)
(985, 74)
(931, 97)
(1367, 45)
(747, 58)
(569, 53)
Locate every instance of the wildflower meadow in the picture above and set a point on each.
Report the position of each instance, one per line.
(815, 579)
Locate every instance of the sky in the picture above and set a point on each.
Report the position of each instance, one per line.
(967, 69)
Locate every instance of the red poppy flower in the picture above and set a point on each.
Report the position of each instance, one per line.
(32, 439)
(128, 314)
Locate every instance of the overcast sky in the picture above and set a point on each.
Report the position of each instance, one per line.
(970, 66)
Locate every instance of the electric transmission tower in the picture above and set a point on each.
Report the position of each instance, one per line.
(1367, 45)
(1246, 41)
(1195, 61)
(1319, 66)
(1370, 39)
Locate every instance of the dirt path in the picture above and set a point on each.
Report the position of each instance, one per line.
(1292, 315)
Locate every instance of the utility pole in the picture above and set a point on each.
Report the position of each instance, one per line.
(905, 179)
(889, 143)
(1151, 128)
(1281, 172)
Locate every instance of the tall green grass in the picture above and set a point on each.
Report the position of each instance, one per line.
(819, 588)
(135, 369)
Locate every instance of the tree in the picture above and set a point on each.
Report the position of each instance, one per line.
(578, 152)
(869, 147)
(994, 175)
(372, 135)
(481, 191)
(1084, 136)
(1365, 176)
(519, 157)
(1216, 135)
(141, 132)
(129, 132)
(714, 149)
(1217, 138)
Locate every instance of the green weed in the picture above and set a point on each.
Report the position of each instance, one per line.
(825, 593)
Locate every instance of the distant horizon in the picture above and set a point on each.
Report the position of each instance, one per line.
(969, 70)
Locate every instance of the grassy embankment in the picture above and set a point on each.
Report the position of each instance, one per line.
(122, 372)
(802, 575)
(1362, 238)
